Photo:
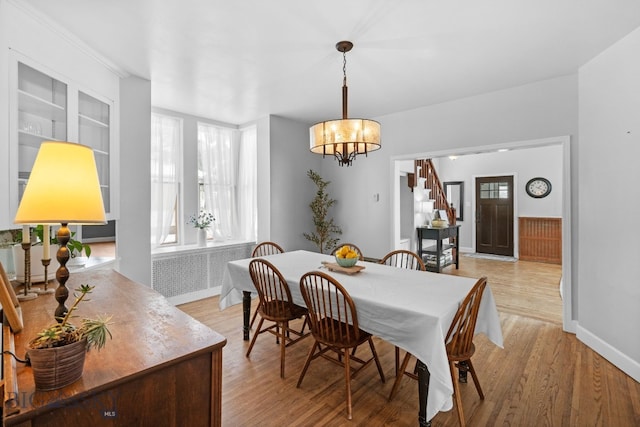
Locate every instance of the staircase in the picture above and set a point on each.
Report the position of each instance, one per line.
(429, 192)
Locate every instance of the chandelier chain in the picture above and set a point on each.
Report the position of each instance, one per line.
(344, 68)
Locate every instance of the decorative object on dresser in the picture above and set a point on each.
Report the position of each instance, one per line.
(56, 195)
(57, 353)
(344, 138)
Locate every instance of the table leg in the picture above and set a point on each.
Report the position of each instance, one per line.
(423, 393)
(246, 314)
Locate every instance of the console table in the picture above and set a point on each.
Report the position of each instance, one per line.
(451, 232)
(162, 367)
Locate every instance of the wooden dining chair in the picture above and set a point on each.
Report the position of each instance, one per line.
(334, 325)
(354, 247)
(403, 258)
(276, 305)
(459, 345)
(264, 249)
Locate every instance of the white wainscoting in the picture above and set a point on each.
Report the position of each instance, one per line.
(188, 273)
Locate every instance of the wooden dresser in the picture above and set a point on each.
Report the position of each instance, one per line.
(162, 367)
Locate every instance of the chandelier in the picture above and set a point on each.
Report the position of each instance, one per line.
(344, 138)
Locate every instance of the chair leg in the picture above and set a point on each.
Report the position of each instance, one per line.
(347, 375)
(306, 364)
(475, 379)
(397, 360)
(284, 329)
(399, 375)
(253, 319)
(456, 393)
(255, 336)
(375, 358)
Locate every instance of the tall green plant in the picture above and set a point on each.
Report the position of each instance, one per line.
(325, 229)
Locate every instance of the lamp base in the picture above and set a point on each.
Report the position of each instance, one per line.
(26, 297)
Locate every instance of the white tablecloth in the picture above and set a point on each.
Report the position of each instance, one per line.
(411, 309)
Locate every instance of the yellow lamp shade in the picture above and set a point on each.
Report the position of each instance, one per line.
(63, 187)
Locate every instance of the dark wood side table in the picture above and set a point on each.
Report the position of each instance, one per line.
(451, 232)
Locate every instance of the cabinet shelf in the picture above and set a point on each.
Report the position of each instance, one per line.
(32, 104)
(89, 121)
(434, 249)
(33, 140)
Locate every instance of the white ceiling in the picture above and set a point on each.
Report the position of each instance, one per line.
(235, 61)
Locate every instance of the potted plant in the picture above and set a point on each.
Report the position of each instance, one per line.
(57, 353)
(325, 229)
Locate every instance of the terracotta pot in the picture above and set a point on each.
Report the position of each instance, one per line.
(59, 366)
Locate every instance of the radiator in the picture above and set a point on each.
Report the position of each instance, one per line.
(195, 269)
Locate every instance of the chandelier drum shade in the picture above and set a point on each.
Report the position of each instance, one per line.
(344, 138)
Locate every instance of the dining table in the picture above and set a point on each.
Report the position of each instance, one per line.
(409, 308)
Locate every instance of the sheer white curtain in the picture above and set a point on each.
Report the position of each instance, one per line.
(226, 161)
(247, 183)
(166, 140)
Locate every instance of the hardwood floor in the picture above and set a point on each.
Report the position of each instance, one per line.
(543, 376)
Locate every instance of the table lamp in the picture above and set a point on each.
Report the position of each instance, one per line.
(63, 188)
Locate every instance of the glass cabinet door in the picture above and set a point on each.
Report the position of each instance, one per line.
(42, 116)
(94, 131)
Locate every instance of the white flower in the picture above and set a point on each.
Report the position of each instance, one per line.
(203, 220)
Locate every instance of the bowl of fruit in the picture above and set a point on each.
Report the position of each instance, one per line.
(346, 256)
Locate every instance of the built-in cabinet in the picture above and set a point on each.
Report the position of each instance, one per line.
(42, 116)
(49, 108)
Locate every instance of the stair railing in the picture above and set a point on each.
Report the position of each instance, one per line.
(424, 168)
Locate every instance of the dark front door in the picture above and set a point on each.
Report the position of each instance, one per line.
(494, 215)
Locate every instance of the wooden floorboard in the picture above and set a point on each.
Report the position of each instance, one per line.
(542, 377)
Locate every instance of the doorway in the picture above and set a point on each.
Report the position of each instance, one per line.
(569, 324)
(494, 215)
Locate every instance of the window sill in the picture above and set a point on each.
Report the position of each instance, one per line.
(211, 246)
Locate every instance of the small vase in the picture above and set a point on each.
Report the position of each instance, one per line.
(202, 237)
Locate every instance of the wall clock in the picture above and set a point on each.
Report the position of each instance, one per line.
(538, 187)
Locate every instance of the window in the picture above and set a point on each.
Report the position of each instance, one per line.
(227, 179)
(494, 190)
(166, 143)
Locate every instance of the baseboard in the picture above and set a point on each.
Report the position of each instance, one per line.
(195, 296)
(622, 361)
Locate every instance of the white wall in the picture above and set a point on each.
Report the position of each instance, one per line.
(538, 110)
(609, 267)
(291, 190)
(133, 232)
(523, 165)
